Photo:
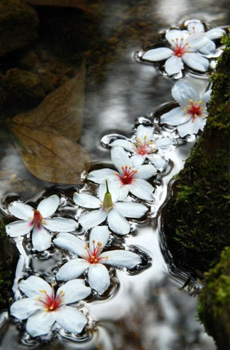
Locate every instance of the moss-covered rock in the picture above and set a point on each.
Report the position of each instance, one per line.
(197, 218)
(18, 25)
(214, 305)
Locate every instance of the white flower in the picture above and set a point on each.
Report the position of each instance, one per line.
(92, 258)
(107, 207)
(43, 306)
(184, 47)
(195, 26)
(191, 116)
(145, 146)
(37, 220)
(128, 178)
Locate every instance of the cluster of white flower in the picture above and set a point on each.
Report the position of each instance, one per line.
(123, 192)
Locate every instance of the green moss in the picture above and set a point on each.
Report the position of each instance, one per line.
(214, 306)
(197, 218)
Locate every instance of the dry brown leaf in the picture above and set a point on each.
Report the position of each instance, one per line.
(61, 111)
(51, 158)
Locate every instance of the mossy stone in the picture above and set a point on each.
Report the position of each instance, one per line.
(18, 25)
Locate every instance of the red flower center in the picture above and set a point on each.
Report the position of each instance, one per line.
(51, 302)
(93, 257)
(37, 219)
(179, 48)
(127, 175)
(195, 109)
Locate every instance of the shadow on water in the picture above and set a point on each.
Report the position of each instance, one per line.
(148, 311)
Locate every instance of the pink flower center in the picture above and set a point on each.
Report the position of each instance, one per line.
(127, 175)
(37, 219)
(179, 48)
(93, 257)
(51, 302)
(142, 147)
(195, 109)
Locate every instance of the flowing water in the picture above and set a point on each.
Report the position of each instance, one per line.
(144, 309)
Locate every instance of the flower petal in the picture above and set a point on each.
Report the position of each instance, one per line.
(71, 243)
(209, 48)
(142, 189)
(117, 223)
(113, 189)
(176, 35)
(40, 323)
(195, 27)
(98, 234)
(71, 319)
(159, 162)
(74, 291)
(18, 228)
(174, 65)
(131, 209)
(120, 158)
(72, 269)
(163, 143)
(98, 277)
(159, 54)
(122, 258)
(24, 308)
(93, 218)
(137, 160)
(145, 172)
(182, 92)
(196, 61)
(59, 224)
(86, 200)
(196, 41)
(215, 33)
(127, 145)
(33, 286)
(21, 211)
(192, 127)
(144, 133)
(174, 117)
(99, 176)
(41, 239)
(206, 97)
(123, 192)
(48, 206)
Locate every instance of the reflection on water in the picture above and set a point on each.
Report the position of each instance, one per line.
(148, 311)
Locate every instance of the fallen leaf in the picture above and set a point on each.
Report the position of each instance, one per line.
(61, 112)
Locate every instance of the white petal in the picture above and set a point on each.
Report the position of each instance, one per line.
(127, 145)
(98, 277)
(117, 223)
(98, 234)
(21, 211)
(174, 65)
(195, 27)
(206, 97)
(59, 224)
(93, 218)
(40, 323)
(99, 176)
(196, 61)
(131, 209)
(145, 172)
(137, 160)
(41, 239)
(48, 206)
(159, 162)
(113, 189)
(18, 228)
(69, 242)
(33, 286)
(174, 117)
(24, 308)
(191, 127)
(71, 319)
(144, 133)
(120, 158)
(215, 33)
(142, 189)
(209, 48)
(163, 143)
(74, 291)
(196, 41)
(123, 192)
(182, 92)
(159, 54)
(122, 258)
(176, 35)
(72, 269)
(86, 200)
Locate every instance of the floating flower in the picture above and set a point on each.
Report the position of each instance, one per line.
(108, 207)
(145, 146)
(43, 306)
(183, 49)
(191, 116)
(128, 178)
(37, 221)
(92, 258)
(196, 27)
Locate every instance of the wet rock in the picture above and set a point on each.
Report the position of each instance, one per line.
(18, 25)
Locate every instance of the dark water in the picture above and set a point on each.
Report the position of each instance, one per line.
(148, 311)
